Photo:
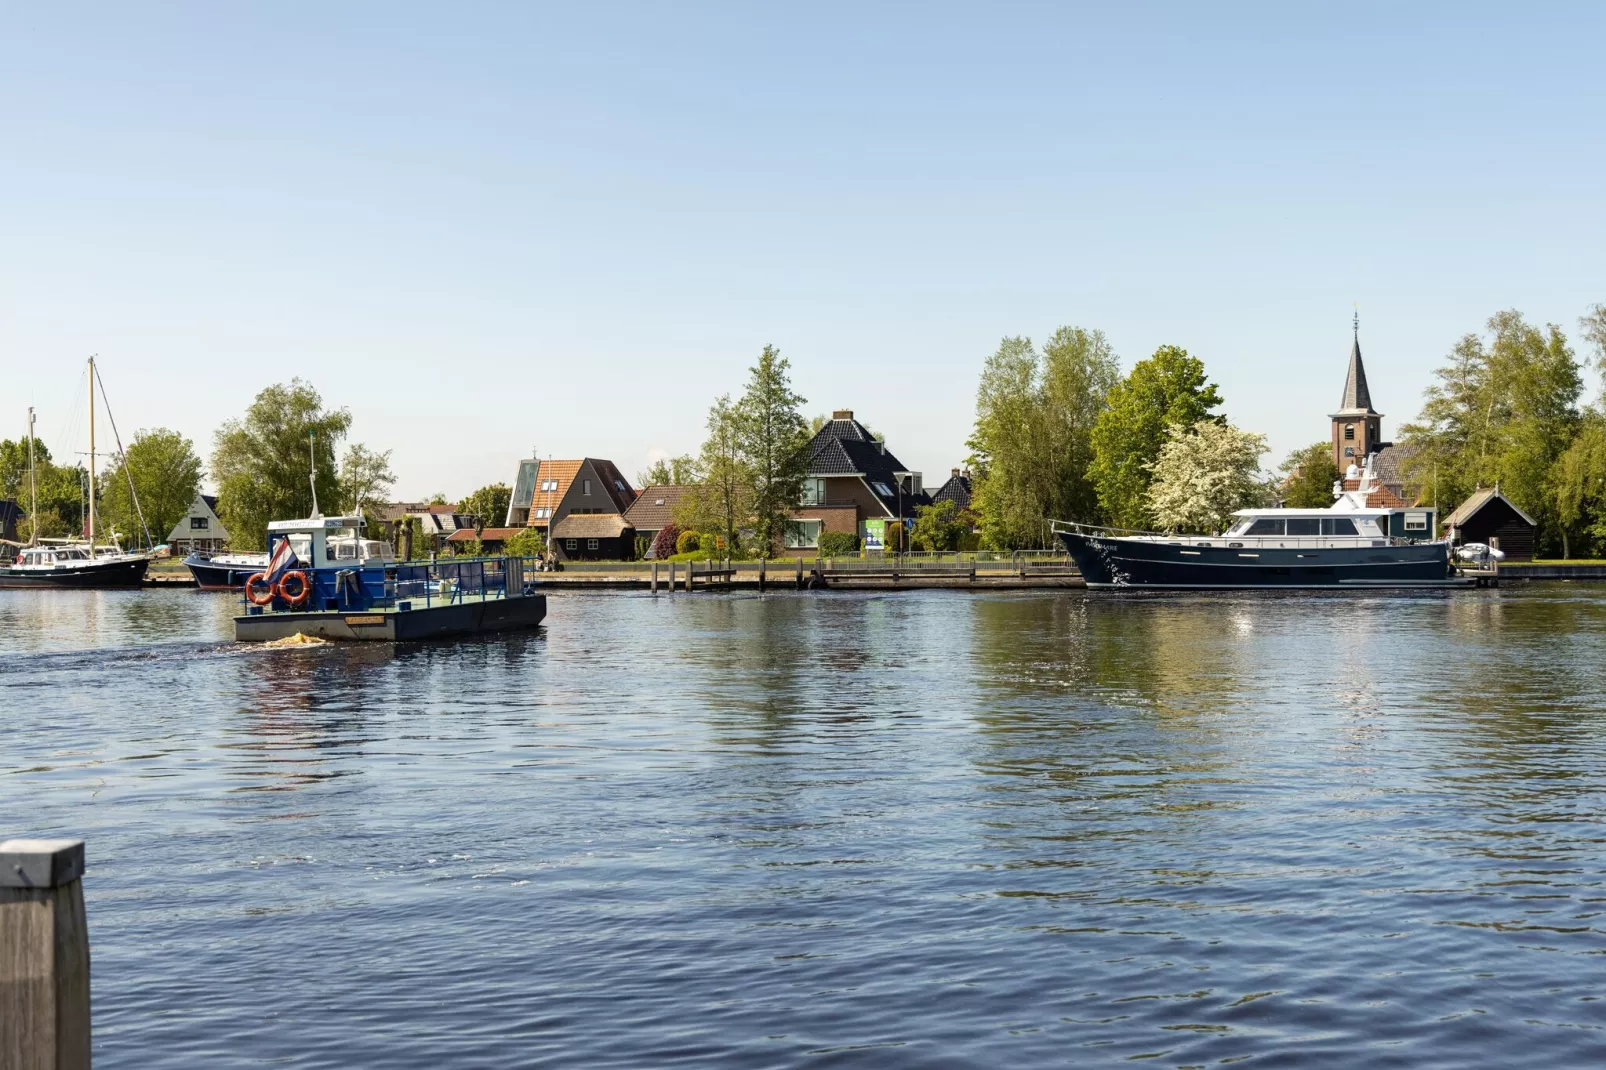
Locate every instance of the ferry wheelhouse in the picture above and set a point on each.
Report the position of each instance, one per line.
(325, 579)
(1348, 545)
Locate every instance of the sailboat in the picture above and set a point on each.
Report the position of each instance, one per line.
(73, 562)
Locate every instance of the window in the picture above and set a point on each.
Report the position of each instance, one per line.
(1349, 451)
(198, 523)
(591, 544)
(1349, 433)
(570, 544)
(1416, 521)
(1339, 525)
(549, 484)
(813, 491)
(1304, 525)
(882, 489)
(585, 487)
(619, 483)
(542, 513)
(804, 534)
(1266, 526)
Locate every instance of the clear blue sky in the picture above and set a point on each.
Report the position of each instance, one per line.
(486, 228)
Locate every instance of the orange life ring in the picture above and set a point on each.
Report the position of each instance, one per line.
(303, 588)
(258, 596)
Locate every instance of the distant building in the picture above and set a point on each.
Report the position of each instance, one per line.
(11, 515)
(654, 509)
(1357, 433)
(956, 490)
(855, 485)
(491, 540)
(200, 528)
(547, 494)
(1491, 518)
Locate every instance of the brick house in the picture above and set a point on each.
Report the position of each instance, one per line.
(854, 485)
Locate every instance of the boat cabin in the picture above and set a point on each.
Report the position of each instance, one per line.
(329, 542)
(52, 555)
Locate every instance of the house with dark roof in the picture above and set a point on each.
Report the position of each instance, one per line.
(1491, 518)
(956, 490)
(11, 515)
(854, 485)
(200, 528)
(654, 509)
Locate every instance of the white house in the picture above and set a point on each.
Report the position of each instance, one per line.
(200, 529)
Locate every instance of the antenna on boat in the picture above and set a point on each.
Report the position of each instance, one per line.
(312, 471)
(33, 488)
(91, 524)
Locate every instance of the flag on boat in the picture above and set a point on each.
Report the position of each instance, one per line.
(282, 561)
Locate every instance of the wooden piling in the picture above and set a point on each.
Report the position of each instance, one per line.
(44, 956)
(671, 577)
(761, 575)
(655, 577)
(800, 572)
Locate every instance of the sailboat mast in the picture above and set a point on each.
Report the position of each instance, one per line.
(91, 457)
(33, 488)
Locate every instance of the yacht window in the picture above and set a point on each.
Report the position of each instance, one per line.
(345, 550)
(1304, 525)
(1338, 525)
(1266, 526)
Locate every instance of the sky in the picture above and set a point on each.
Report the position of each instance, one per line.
(492, 229)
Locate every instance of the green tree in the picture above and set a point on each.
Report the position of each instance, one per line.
(1032, 443)
(1502, 412)
(722, 497)
(489, 503)
(1204, 473)
(1592, 325)
(669, 472)
(937, 527)
(1580, 488)
(261, 465)
(526, 543)
(14, 467)
(770, 436)
(365, 477)
(1308, 477)
(166, 474)
(1169, 389)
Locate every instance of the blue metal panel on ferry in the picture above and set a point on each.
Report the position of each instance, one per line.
(1113, 562)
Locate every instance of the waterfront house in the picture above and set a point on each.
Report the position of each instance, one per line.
(199, 528)
(579, 505)
(11, 515)
(854, 485)
(1490, 517)
(654, 509)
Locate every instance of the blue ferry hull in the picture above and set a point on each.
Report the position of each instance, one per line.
(470, 617)
(1111, 562)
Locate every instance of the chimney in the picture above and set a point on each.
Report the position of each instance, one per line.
(842, 414)
(954, 473)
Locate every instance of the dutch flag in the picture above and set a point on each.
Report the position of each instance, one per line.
(282, 561)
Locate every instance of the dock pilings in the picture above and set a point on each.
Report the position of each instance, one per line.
(44, 956)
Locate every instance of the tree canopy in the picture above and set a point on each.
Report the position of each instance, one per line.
(720, 498)
(770, 435)
(669, 472)
(1308, 477)
(1205, 472)
(1032, 443)
(489, 503)
(1169, 389)
(260, 463)
(166, 476)
(365, 477)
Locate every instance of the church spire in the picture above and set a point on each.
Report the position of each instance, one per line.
(1357, 396)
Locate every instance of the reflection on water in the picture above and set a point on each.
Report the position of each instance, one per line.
(925, 829)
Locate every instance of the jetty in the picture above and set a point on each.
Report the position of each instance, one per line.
(1022, 571)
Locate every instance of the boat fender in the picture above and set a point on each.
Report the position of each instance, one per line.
(303, 589)
(258, 595)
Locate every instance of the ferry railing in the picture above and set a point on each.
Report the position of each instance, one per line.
(427, 583)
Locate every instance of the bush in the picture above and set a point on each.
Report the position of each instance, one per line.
(663, 544)
(969, 542)
(687, 542)
(708, 543)
(527, 543)
(838, 544)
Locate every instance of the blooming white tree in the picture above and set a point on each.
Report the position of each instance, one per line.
(1203, 474)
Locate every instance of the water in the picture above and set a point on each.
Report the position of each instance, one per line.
(924, 829)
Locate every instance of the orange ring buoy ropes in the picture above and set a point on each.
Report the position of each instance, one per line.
(303, 588)
(258, 596)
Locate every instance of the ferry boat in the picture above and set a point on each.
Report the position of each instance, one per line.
(1347, 545)
(325, 580)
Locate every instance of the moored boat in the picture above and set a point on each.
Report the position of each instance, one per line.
(223, 571)
(73, 564)
(1348, 545)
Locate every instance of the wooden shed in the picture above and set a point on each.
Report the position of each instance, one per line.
(1490, 517)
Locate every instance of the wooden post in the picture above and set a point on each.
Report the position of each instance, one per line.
(761, 575)
(691, 569)
(44, 956)
(800, 572)
(655, 577)
(671, 577)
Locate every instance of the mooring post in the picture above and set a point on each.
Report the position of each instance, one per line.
(655, 577)
(44, 956)
(691, 570)
(761, 575)
(671, 577)
(800, 572)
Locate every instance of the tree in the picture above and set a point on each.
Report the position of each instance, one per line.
(1580, 487)
(720, 499)
(1032, 443)
(669, 472)
(1204, 473)
(770, 436)
(14, 467)
(1166, 390)
(1592, 325)
(261, 463)
(489, 503)
(1502, 413)
(1308, 477)
(365, 477)
(937, 527)
(526, 543)
(166, 475)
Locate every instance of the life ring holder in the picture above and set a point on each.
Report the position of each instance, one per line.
(259, 596)
(303, 588)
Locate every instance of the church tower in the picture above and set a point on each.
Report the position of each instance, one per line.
(1357, 427)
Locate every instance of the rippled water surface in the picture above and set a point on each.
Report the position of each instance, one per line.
(922, 829)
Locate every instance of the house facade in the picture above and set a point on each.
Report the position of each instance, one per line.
(579, 505)
(855, 485)
(199, 528)
(654, 509)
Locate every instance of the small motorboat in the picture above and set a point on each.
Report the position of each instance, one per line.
(223, 571)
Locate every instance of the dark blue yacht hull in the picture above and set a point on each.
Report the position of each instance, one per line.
(1109, 561)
